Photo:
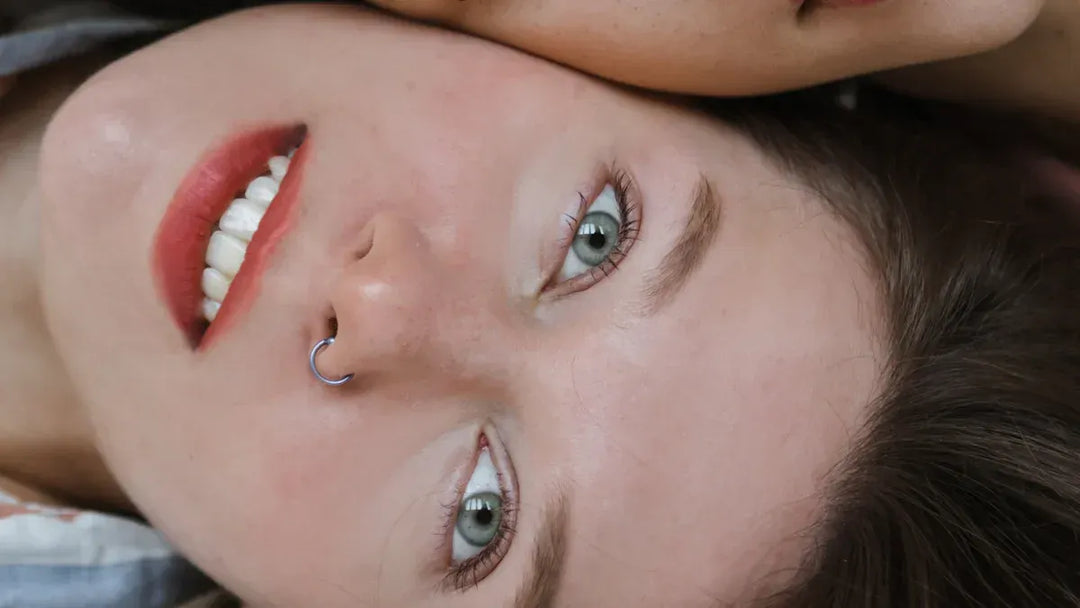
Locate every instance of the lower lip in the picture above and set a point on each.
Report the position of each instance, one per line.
(184, 233)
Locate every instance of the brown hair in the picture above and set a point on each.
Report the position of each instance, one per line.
(963, 488)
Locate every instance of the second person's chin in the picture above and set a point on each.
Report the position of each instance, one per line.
(984, 25)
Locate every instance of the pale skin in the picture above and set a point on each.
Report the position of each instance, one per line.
(295, 494)
(114, 414)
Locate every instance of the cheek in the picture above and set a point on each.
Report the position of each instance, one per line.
(298, 499)
(94, 155)
(95, 234)
(108, 167)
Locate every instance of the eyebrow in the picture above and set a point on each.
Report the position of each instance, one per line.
(549, 556)
(701, 228)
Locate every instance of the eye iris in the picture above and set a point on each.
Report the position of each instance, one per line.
(479, 518)
(596, 238)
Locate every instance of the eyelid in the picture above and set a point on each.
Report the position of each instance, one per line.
(571, 219)
(462, 576)
(629, 197)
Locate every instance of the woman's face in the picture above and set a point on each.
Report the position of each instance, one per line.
(603, 350)
(734, 47)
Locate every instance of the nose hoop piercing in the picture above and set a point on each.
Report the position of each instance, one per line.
(315, 369)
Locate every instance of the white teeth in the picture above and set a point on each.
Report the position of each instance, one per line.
(235, 229)
(262, 190)
(225, 253)
(214, 284)
(279, 166)
(242, 219)
(210, 309)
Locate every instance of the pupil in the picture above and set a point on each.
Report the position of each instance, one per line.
(484, 516)
(597, 240)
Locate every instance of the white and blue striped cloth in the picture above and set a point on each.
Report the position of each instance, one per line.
(64, 558)
(49, 30)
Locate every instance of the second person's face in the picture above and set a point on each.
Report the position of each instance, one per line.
(734, 47)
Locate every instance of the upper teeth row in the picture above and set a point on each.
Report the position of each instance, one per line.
(235, 229)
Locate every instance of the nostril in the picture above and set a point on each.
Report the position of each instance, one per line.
(326, 323)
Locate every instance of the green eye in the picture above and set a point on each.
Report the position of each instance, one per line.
(596, 238)
(481, 525)
(479, 519)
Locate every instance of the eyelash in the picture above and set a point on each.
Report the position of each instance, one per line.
(623, 184)
(467, 574)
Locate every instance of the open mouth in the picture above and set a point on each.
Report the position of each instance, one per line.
(221, 226)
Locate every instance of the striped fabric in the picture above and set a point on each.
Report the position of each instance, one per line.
(46, 31)
(64, 558)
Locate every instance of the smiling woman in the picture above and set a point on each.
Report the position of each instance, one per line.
(605, 350)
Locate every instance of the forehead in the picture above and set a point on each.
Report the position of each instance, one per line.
(734, 403)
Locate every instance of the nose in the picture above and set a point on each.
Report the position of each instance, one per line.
(388, 303)
(383, 300)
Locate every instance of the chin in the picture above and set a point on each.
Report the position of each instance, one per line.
(995, 23)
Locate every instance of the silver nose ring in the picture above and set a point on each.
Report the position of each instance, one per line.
(315, 350)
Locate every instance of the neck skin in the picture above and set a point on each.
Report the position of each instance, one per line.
(47, 452)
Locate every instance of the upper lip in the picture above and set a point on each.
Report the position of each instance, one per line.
(838, 3)
(199, 202)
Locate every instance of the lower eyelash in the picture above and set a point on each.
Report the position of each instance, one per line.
(469, 573)
(466, 575)
(623, 185)
(629, 231)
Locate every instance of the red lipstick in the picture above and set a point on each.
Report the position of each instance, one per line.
(180, 244)
(805, 6)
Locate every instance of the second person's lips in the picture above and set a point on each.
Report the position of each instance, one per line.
(843, 3)
(221, 227)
